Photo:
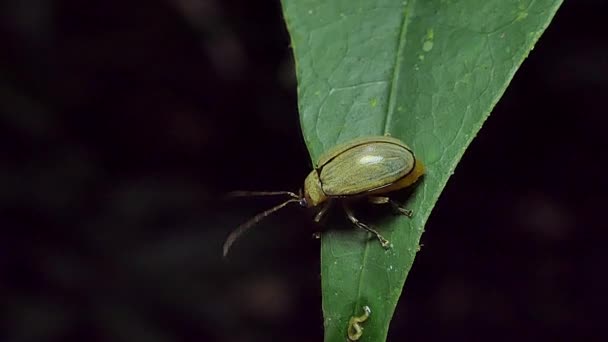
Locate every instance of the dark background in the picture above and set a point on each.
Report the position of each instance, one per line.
(121, 123)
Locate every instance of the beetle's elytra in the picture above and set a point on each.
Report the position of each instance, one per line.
(364, 168)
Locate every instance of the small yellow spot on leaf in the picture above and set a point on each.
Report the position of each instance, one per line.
(355, 330)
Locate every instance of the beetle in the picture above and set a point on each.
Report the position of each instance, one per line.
(364, 168)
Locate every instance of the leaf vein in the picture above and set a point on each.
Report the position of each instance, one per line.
(392, 96)
(392, 99)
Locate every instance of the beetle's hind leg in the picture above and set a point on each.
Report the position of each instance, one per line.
(351, 216)
(398, 208)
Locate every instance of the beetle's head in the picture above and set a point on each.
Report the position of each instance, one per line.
(313, 193)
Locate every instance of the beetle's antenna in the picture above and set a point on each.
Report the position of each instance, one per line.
(257, 218)
(260, 193)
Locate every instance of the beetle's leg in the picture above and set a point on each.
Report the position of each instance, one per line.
(349, 213)
(400, 209)
(320, 215)
(394, 205)
(323, 211)
(378, 199)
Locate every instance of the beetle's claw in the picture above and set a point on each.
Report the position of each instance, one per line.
(384, 242)
(401, 210)
(405, 212)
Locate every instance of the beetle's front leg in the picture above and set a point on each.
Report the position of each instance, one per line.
(319, 216)
(394, 205)
(323, 211)
(351, 216)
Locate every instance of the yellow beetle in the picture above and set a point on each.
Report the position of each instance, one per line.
(367, 167)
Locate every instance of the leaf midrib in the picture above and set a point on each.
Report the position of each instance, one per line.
(392, 99)
(392, 96)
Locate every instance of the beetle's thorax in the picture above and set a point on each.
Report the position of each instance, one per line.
(313, 193)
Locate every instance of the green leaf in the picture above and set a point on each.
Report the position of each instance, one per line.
(428, 72)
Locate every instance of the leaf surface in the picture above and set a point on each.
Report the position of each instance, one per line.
(426, 71)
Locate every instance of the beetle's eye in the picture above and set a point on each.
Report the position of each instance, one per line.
(303, 202)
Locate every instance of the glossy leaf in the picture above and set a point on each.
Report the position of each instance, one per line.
(428, 72)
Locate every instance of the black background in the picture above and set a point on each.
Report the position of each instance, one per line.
(122, 123)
